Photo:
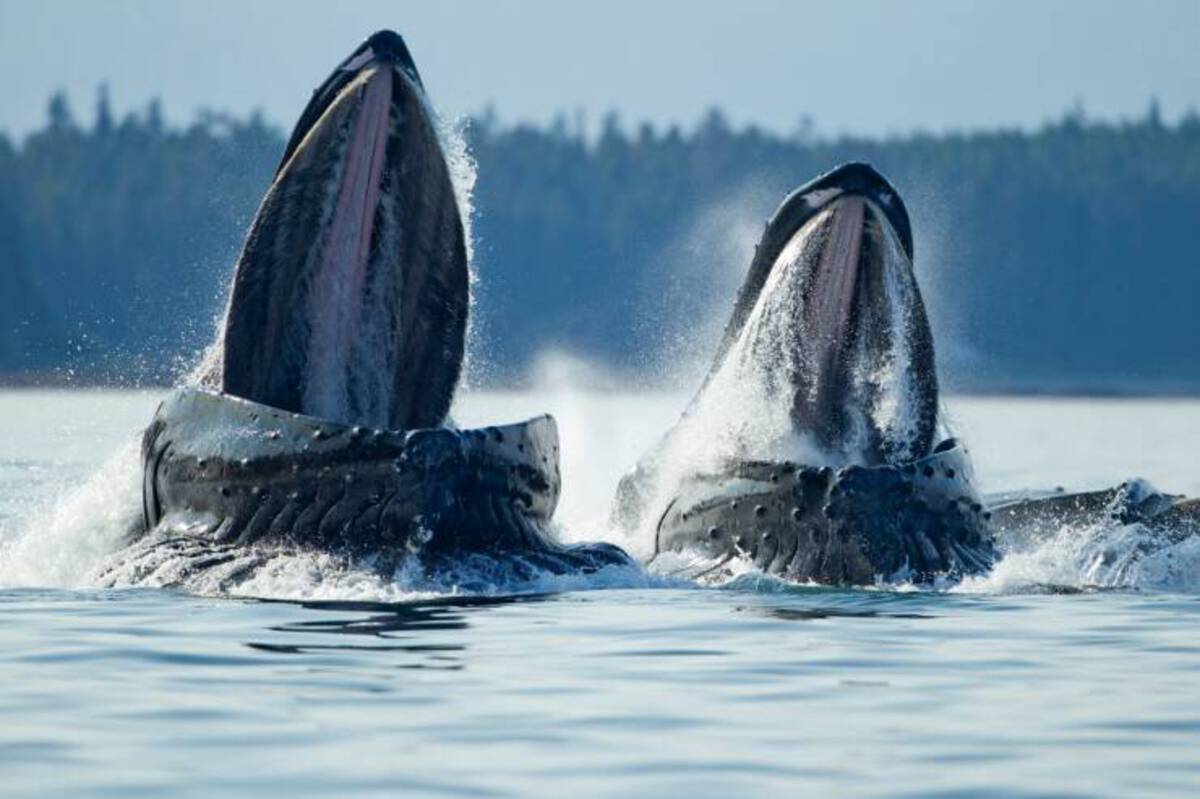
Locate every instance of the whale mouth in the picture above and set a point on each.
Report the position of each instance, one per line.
(350, 297)
(830, 324)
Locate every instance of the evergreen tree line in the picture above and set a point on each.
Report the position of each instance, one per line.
(1061, 258)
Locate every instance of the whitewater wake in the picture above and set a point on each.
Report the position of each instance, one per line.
(58, 542)
(78, 538)
(1106, 556)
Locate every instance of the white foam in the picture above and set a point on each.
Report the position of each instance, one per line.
(1102, 556)
(59, 545)
(318, 576)
(1105, 557)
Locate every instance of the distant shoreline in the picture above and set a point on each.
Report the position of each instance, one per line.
(117, 239)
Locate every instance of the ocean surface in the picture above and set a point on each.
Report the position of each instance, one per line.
(1057, 675)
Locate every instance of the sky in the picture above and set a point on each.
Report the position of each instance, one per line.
(865, 67)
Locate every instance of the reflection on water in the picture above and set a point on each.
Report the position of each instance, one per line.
(402, 628)
(822, 614)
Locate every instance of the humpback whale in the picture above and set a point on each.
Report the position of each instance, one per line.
(320, 422)
(811, 448)
(814, 449)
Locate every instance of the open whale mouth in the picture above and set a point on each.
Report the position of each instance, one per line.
(350, 298)
(823, 401)
(830, 322)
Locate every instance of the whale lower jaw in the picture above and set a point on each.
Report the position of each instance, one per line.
(856, 526)
(229, 482)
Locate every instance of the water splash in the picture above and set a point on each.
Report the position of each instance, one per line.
(463, 175)
(685, 302)
(775, 363)
(60, 542)
(746, 409)
(310, 575)
(1107, 555)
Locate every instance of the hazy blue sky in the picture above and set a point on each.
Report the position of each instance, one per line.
(864, 66)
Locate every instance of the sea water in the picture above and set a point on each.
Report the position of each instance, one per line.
(1049, 677)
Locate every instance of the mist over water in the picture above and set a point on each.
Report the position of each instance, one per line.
(685, 303)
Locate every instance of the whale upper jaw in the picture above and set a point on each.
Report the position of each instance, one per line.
(351, 294)
(831, 323)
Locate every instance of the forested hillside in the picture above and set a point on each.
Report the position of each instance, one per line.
(1055, 259)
